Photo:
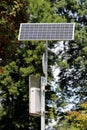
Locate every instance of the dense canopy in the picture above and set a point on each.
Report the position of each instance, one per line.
(20, 59)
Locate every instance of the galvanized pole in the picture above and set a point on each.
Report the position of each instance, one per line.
(46, 61)
(42, 104)
(43, 84)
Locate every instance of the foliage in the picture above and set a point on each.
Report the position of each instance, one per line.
(64, 125)
(14, 114)
(43, 11)
(72, 57)
(74, 119)
(12, 14)
(79, 118)
(14, 88)
(26, 60)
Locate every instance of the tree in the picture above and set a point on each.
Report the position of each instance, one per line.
(43, 11)
(26, 60)
(72, 59)
(14, 88)
(72, 81)
(10, 19)
(79, 118)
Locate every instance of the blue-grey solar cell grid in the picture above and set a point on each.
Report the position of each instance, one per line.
(46, 31)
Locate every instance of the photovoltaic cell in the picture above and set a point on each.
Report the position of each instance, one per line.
(46, 31)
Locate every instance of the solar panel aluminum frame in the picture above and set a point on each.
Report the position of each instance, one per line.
(24, 31)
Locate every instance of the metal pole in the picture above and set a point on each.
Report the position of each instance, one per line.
(46, 61)
(42, 104)
(43, 84)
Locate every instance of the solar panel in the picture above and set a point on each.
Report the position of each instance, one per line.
(46, 31)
